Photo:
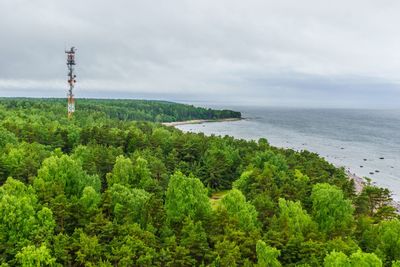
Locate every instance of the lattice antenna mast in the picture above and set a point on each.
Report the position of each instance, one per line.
(71, 80)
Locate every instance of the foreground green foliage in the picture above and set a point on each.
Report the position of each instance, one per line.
(105, 190)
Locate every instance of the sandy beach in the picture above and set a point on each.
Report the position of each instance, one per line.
(359, 184)
(176, 123)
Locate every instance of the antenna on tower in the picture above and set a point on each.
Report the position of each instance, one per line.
(71, 80)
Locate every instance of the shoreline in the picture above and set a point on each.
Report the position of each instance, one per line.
(198, 121)
(359, 182)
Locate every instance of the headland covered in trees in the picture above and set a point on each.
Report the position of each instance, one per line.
(122, 109)
(115, 187)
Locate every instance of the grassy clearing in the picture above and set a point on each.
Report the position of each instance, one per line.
(216, 197)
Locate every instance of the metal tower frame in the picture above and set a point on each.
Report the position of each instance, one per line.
(71, 80)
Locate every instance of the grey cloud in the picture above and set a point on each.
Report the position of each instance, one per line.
(341, 53)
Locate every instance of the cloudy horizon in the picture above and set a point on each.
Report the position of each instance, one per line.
(286, 53)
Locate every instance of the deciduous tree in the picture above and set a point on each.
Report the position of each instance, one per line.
(240, 210)
(332, 212)
(186, 197)
(266, 255)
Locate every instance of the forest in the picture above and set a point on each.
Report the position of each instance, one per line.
(114, 187)
(141, 110)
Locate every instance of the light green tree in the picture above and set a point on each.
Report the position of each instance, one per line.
(128, 205)
(6, 137)
(266, 255)
(90, 199)
(23, 160)
(63, 175)
(88, 205)
(336, 259)
(127, 173)
(122, 173)
(31, 256)
(244, 181)
(293, 219)
(142, 173)
(389, 240)
(361, 259)
(332, 212)
(22, 220)
(357, 259)
(240, 210)
(186, 197)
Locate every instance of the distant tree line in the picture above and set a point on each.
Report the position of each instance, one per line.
(144, 110)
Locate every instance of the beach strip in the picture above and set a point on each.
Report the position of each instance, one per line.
(176, 123)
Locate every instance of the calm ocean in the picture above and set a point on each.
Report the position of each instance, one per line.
(367, 142)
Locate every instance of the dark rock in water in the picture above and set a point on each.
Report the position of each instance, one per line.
(376, 170)
(365, 159)
(371, 172)
(381, 158)
(342, 148)
(361, 166)
(392, 167)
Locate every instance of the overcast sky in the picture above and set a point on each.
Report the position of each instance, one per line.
(280, 53)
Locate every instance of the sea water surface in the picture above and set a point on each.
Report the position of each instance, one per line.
(366, 142)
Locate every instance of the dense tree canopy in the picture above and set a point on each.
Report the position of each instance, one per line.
(113, 187)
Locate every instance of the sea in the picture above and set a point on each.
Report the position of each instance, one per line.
(365, 142)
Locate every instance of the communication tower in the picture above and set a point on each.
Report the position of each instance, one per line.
(71, 80)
